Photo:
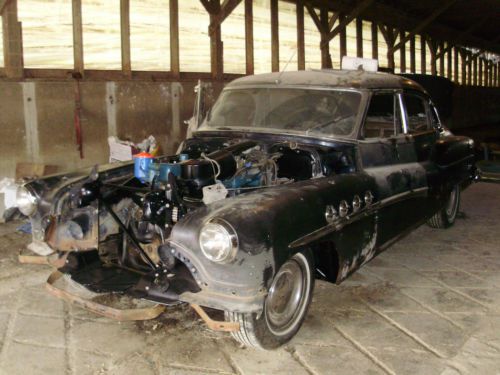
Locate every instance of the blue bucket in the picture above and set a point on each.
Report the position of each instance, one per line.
(142, 162)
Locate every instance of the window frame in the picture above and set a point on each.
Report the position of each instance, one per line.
(426, 101)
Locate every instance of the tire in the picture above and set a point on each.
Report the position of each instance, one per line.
(446, 216)
(280, 318)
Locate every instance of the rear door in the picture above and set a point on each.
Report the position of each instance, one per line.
(389, 156)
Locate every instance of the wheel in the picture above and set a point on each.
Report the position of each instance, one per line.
(285, 306)
(446, 216)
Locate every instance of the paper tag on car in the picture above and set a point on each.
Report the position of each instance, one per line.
(214, 193)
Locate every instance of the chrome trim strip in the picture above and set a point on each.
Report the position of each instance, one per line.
(349, 219)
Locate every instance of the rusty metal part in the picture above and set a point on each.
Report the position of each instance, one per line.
(100, 309)
(53, 260)
(215, 325)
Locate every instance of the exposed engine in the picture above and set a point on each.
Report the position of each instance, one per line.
(139, 212)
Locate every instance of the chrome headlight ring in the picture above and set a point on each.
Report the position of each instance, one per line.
(218, 241)
(26, 201)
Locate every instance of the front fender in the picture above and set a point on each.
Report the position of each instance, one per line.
(267, 222)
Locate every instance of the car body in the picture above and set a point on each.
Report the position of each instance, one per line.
(289, 177)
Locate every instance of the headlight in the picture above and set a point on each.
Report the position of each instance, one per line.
(218, 241)
(25, 201)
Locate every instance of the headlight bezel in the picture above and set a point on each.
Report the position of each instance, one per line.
(26, 200)
(232, 240)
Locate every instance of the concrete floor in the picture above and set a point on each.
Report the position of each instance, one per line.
(429, 305)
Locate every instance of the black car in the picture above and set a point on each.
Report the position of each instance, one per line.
(289, 177)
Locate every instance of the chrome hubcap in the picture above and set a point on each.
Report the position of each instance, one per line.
(285, 296)
(451, 206)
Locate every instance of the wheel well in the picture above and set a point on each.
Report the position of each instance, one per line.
(326, 261)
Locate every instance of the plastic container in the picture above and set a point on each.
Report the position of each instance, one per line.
(142, 162)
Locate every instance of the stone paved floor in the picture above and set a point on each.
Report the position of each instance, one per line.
(429, 305)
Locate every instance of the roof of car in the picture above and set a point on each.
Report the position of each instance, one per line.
(358, 79)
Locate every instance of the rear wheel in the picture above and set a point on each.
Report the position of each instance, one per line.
(284, 309)
(446, 216)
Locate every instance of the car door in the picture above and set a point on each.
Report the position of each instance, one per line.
(388, 154)
(422, 135)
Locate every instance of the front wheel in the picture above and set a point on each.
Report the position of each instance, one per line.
(285, 306)
(446, 216)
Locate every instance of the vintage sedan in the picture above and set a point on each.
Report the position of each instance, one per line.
(289, 177)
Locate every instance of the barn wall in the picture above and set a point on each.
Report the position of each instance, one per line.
(37, 119)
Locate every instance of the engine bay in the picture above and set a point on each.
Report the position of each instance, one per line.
(135, 214)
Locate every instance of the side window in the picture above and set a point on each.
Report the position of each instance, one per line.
(383, 118)
(417, 113)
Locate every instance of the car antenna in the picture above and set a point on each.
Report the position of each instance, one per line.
(284, 68)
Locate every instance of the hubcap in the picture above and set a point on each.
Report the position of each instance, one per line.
(285, 296)
(451, 206)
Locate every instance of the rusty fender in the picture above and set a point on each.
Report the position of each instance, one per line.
(267, 222)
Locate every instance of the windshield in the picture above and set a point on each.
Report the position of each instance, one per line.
(309, 111)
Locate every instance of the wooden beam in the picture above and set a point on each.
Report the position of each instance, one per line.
(249, 37)
(455, 64)
(174, 37)
(314, 17)
(469, 71)
(480, 80)
(348, 18)
(326, 58)
(423, 54)
(374, 40)
(12, 41)
(474, 71)
(125, 37)
(390, 37)
(211, 6)
(227, 7)
(275, 41)
(441, 61)
(342, 37)
(301, 54)
(3, 3)
(402, 55)
(412, 55)
(78, 61)
(433, 49)
(359, 37)
(448, 62)
(464, 67)
(334, 18)
(437, 12)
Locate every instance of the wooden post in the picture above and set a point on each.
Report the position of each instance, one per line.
(301, 54)
(249, 36)
(390, 44)
(412, 55)
(12, 41)
(402, 50)
(455, 62)
(359, 37)
(78, 64)
(326, 59)
(464, 67)
(474, 71)
(448, 64)
(125, 37)
(496, 67)
(441, 60)
(275, 43)
(432, 49)
(342, 39)
(469, 69)
(480, 80)
(423, 68)
(374, 41)
(174, 38)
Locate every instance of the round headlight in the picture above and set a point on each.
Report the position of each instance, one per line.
(25, 201)
(218, 241)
